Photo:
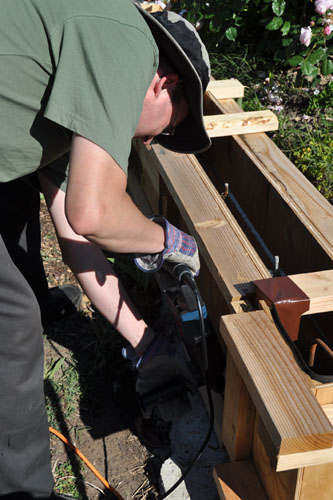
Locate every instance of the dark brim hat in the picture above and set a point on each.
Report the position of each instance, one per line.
(179, 41)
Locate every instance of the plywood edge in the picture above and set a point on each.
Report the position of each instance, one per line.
(298, 427)
(238, 481)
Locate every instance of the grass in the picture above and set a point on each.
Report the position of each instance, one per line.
(305, 113)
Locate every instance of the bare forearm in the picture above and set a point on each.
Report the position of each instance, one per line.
(126, 230)
(99, 208)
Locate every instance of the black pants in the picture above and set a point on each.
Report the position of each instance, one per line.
(24, 438)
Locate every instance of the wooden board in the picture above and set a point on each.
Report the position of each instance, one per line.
(226, 89)
(218, 235)
(250, 122)
(318, 287)
(238, 481)
(299, 429)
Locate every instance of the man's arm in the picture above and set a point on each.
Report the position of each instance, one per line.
(99, 208)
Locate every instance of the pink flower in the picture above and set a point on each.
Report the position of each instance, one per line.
(321, 6)
(328, 29)
(305, 36)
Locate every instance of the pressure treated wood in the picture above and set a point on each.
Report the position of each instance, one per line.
(250, 122)
(226, 89)
(313, 211)
(218, 235)
(238, 481)
(299, 429)
(318, 287)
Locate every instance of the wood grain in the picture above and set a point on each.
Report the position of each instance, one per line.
(250, 122)
(318, 287)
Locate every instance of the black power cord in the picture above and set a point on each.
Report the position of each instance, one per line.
(187, 277)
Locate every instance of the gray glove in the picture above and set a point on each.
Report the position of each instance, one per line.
(162, 363)
(180, 248)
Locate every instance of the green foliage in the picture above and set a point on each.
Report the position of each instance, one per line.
(321, 101)
(315, 161)
(271, 27)
(65, 480)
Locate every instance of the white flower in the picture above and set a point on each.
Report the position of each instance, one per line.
(321, 6)
(305, 36)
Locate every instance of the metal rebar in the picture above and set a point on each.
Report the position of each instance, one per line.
(274, 259)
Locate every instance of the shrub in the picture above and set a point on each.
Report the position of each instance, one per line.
(295, 33)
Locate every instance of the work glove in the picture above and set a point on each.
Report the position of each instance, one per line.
(180, 248)
(163, 369)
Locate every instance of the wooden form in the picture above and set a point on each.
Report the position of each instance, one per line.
(299, 429)
(226, 89)
(288, 212)
(289, 443)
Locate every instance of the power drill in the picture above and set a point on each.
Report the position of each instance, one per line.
(181, 297)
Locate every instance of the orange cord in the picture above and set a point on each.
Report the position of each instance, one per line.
(86, 461)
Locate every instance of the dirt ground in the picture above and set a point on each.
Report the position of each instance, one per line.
(91, 395)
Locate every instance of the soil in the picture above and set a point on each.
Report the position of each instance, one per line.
(101, 417)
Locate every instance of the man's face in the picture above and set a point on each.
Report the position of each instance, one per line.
(160, 113)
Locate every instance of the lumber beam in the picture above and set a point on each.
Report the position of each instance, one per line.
(319, 288)
(238, 481)
(226, 89)
(250, 122)
(298, 427)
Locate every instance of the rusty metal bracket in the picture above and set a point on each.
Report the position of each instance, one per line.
(289, 300)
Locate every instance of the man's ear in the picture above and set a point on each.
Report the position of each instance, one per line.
(166, 82)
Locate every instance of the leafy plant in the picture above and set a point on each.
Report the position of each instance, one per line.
(295, 33)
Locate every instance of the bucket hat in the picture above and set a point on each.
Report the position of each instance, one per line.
(178, 40)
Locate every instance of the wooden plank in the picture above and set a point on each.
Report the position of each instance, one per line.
(250, 122)
(218, 235)
(300, 431)
(312, 209)
(238, 415)
(226, 89)
(318, 287)
(238, 481)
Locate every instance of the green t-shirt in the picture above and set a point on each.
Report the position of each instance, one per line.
(68, 66)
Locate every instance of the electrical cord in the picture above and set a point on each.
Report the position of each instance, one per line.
(190, 281)
(86, 461)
